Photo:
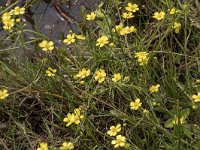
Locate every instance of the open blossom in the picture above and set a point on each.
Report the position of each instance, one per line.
(159, 15)
(43, 146)
(3, 94)
(67, 146)
(154, 88)
(116, 77)
(142, 58)
(47, 45)
(8, 24)
(91, 16)
(100, 75)
(120, 141)
(70, 39)
(75, 117)
(196, 97)
(118, 28)
(127, 30)
(127, 15)
(83, 73)
(19, 11)
(114, 130)
(102, 41)
(51, 72)
(177, 27)
(136, 104)
(132, 7)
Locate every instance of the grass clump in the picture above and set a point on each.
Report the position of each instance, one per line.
(130, 81)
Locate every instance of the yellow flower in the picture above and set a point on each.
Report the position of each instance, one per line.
(51, 72)
(198, 81)
(196, 97)
(43, 146)
(135, 105)
(73, 117)
(118, 28)
(70, 39)
(47, 46)
(83, 73)
(3, 94)
(102, 41)
(8, 24)
(154, 88)
(142, 58)
(127, 15)
(172, 11)
(6, 16)
(120, 141)
(91, 16)
(18, 20)
(177, 27)
(100, 75)
(116, 77)
(19, 11)
(114, 130)
(132, 7)
(127, 30)
(80, 37)
(67, 146)
(70, 119)
(145, 111)
(181, 120)
(159, 15)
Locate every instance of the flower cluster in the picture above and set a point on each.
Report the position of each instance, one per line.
(9, 18)
(74, 117)
(71, 38)
(142, 58)
(120, 140)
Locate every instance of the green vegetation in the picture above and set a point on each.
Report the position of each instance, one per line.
(129, 80)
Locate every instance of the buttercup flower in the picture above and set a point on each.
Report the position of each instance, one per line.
(172, 11)
(159, 15)
(127, 15)
(100, 75)
(75, 117)
(118, 28)
(177, 27)
(67, 146)
(8, 24)
(80, 37)
(70, 39)
(102, 41)
(43, 146)
(116, 77)
(3, 94)
(91, 16)
(142, 58)
(196, 97)
(51, 72)
(135, 105)
(127, 30)
(132, 7)
(83, 73)
(47, 46)
(154, 88)
(114, 130)
(19, 11)
(120, 141)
